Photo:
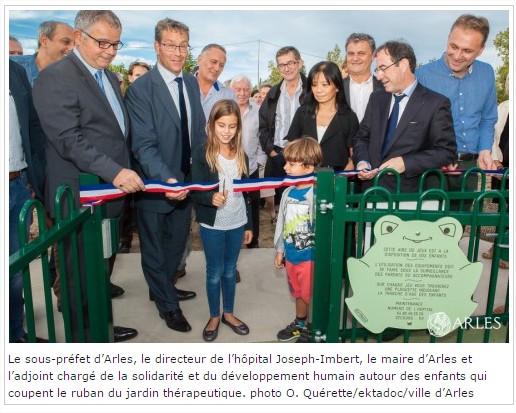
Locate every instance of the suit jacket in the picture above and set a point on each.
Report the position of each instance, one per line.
(33, 138)
(337, 139)
(83, 134)
(267, 115)
(424, 137)
(377, 85)
(156, 133)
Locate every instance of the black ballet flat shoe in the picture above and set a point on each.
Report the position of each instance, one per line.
(241, 330)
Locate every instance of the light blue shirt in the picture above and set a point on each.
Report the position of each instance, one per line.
(110, 93)
(216, 93)
(473, 101)
(16, 153)
(28, 62)
(173, 87)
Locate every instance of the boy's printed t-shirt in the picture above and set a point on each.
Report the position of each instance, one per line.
(298, 233)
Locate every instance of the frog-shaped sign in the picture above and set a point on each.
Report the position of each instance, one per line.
(414, 269)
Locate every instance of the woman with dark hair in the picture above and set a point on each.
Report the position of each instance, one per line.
(325, 115)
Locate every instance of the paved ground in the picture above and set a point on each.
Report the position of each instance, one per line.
(262, 299)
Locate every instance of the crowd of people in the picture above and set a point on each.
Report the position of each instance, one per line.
(68, 115)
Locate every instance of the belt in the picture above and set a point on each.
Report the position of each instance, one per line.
(14, 175)
(467, 156)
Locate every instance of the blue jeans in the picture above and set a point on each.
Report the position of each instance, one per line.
(18, 194)
(221, 249)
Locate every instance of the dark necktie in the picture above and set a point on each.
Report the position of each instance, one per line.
(392, 123)
(185, 136)
(98, 77)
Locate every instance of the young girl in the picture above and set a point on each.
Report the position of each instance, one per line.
(224, 216)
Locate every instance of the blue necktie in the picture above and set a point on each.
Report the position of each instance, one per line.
(185, 136)
(98, 77)
(392, 123)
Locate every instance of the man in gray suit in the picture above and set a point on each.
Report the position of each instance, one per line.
(167, 124)
(84, 118)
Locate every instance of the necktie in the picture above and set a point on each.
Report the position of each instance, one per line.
(98, 77)
(392, 123)
(185, 136)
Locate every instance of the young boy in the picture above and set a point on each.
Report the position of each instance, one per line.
(294, 236)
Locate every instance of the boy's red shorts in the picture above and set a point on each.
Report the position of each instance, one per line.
(300, 278)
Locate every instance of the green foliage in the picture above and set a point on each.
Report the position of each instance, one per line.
(274, 74)
(120, 68)
(501, 43)
(190, 63)
(335, 56)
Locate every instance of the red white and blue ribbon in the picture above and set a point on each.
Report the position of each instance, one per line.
(99, 193)
(246, 185)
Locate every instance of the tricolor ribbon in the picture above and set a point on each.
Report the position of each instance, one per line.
(99, 193)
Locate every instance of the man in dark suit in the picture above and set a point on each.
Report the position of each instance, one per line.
(167, 125)
(85, 120)
(26, 179)
(360, 83)
(407, 127)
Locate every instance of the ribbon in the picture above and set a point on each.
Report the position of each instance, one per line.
(99, 193)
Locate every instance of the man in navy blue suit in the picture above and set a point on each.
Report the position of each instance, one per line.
(167, 124)
(26, 179)
(422, 135)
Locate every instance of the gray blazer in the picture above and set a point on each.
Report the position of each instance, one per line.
(156, 133)
(82, 130)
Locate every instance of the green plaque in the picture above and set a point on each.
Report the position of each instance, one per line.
(414, 271)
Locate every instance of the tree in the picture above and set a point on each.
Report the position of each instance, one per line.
(274, 74)
(190, 63)
(501, 43)
(120, 68)
(335, 56)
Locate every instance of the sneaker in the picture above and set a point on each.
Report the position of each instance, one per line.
(304, 337)
(290, 332)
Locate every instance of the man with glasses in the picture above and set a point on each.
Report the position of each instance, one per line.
(278, 109)
(167, 124)
(406, 127)
(82, 113)
(360, 83)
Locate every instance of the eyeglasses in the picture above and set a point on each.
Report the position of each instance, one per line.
(172, 47)
(290, 65)
(104, 44)
(383, 69)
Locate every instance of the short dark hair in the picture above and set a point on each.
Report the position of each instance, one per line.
(479, 24)
(169, 24)
(305, 150)
(333, 75)
(399, 50)
(48, 29)
(286, 50)
(135, 64)
(360, 37)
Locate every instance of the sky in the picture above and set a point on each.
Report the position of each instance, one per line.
(252, 37)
